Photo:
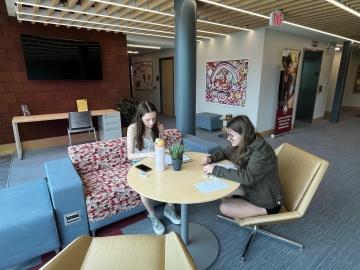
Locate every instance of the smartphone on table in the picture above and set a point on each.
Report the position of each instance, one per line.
(143, 168)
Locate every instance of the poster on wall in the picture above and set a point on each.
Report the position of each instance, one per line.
(289, 68)
(226, 82)
(143, 76)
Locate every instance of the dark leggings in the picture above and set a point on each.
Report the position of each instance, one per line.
(274, 210)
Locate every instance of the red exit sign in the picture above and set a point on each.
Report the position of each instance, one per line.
(276, 18)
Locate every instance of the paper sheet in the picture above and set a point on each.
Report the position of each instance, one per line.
(212, 185)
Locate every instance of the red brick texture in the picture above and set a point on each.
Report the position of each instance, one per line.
(54, 96)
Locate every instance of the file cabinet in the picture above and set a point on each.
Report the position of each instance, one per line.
(110, 126)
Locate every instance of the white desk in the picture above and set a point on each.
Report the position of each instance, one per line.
(45, 117)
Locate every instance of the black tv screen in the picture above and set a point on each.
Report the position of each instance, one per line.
(61, 59)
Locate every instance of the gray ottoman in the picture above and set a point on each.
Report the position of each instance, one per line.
(209, 121)
(197, 144)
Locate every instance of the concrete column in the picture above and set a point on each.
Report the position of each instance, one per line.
(185, 65)
(340, 83)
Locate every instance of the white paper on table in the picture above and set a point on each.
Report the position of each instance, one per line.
(212, 185)
(168, 160)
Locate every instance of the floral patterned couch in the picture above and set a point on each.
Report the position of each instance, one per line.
(102, 169)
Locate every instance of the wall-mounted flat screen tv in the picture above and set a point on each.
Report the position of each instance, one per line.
(61, 59)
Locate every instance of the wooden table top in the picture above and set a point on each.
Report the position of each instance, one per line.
(175, 186)
(54, 116)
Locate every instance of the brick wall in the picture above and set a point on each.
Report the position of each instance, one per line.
(54, 96)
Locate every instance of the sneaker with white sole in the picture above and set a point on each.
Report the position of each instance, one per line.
(170, 213)
(157, 225)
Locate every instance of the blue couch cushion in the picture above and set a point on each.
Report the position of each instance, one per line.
(197, 144)
(27, 223)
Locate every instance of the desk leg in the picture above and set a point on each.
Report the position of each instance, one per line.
(200, 241)
(17, 140)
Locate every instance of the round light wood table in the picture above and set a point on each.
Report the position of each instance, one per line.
(179, 187)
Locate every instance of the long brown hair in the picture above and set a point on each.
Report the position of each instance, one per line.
(242, 125)
(143, 108)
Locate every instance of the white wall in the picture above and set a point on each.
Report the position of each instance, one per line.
(241, 45)
(154, 95)
(275, 42)
(350, 98)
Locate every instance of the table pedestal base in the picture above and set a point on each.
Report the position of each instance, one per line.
(203, 245)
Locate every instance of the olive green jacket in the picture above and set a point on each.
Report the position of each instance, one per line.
(258, 175)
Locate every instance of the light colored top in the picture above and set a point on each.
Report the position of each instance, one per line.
(133, 153)
(176, 186)
(55, 116)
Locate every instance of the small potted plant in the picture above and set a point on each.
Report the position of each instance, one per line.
(176, 151)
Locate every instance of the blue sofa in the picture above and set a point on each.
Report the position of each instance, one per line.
(67, 195)
(27, 223)
(89, 189)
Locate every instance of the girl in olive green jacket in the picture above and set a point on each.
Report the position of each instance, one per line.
(260, 189)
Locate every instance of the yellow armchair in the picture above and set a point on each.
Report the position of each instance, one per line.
(300, 174)
(124, 252)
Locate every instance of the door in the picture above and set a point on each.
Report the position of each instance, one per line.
(308, 86)
(167, 86)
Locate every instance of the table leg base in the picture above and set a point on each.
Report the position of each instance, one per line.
(203, 244)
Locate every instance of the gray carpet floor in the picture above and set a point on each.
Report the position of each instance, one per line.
(329, 230)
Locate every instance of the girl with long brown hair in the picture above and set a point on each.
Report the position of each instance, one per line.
(256, 171)
(141, 137)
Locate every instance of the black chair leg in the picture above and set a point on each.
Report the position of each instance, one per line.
(249, 243)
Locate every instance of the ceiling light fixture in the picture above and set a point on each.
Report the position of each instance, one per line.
(133, 7)
(133, 52)
(144, 46)
(29, 3)
(213, 33)
(337, 48)
(234, 9)
(340, 5)
(88, 27)
(319, 31)
(91, 22)
(224, 25)
(285, 22)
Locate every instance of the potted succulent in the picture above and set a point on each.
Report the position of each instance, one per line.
(176, 151)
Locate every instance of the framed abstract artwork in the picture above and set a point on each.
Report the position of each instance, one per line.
(143, 75)
(226, 82)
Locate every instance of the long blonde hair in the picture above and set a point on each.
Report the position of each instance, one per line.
(242, 125)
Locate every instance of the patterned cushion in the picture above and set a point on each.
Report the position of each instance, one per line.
(108, 193)
(90, 157)
(103, 167)
(172, 136)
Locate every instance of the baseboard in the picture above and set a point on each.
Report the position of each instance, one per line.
(317, 120)
(266, 133)
(45, 143)
(350, 108)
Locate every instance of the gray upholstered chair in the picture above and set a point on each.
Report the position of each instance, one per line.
(300, 174)
(80, 122)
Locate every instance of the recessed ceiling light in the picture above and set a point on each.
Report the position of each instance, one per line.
(133, 52)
